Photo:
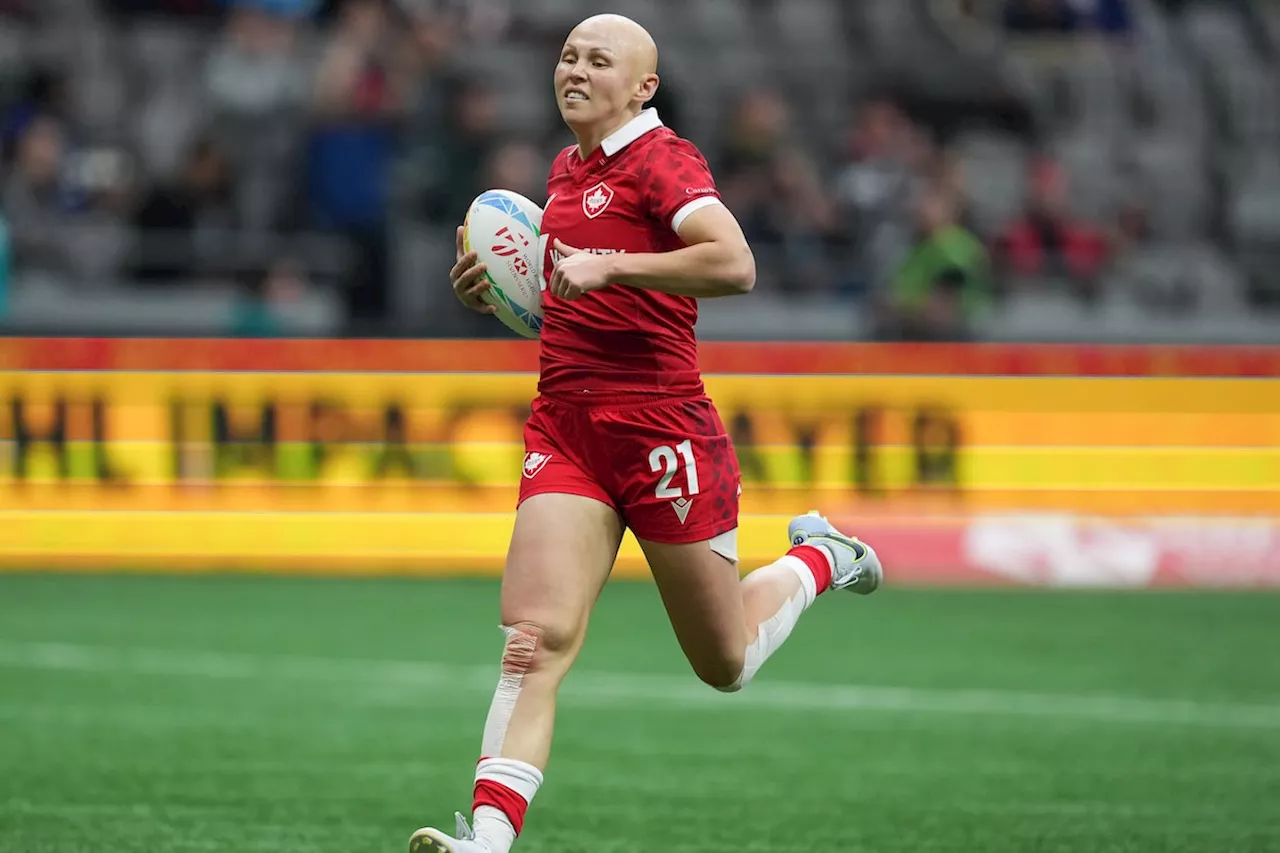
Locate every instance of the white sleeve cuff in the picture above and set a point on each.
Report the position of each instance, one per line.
(692, 207)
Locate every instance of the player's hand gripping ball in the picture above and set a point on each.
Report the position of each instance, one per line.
(468, 279)
(578, 272)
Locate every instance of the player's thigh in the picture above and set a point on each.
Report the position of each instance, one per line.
(562, 550)
(701, 592)
(566, 535)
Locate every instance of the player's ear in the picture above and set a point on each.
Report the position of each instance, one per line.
(647, 88)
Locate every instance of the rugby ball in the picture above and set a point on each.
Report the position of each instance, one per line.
(504, 229)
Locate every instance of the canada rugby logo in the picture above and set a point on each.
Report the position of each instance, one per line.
(596, 200)
(535, 462)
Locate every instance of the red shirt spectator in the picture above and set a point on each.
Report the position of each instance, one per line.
(1047, 240)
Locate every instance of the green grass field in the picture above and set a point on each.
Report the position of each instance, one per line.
(162, 715)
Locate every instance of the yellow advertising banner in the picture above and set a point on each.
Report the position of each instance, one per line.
(383, 469)
(888, 435)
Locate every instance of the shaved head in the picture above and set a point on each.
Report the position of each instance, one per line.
(630, 41)
(606, 74)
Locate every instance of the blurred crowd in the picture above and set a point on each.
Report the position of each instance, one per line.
(280, 141)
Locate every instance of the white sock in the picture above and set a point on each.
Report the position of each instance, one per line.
(773, 632)
(493, 826)
(492, 829)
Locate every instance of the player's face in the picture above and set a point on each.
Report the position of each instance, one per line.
(594, 80)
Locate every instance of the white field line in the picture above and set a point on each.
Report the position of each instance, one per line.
(617, 690)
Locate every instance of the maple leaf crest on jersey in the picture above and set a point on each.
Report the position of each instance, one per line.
(596, 199)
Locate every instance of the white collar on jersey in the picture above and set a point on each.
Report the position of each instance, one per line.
(631, 131)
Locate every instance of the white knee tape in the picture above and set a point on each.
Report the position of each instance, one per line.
(773, 632)
(517, 657)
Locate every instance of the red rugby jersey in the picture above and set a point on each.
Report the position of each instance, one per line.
(630, 195)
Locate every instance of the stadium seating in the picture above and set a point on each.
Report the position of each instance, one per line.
(1179, 118)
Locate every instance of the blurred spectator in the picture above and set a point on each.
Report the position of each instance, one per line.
(258, 88)
(359, 96)
(43, 93)
(35, 202)
(888, 163)
(450, 164)
(943, 283)
(183, 224)
(774, 186)
(266, 297)
(1048, 241)
(433, 42)
(757, 132)
(755, 136)
(63, 205)
(801, 219)
(254, 71)
(361, 78)
(881, 155)
(434, 84)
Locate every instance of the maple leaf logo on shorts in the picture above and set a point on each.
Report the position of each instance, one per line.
(535, 462)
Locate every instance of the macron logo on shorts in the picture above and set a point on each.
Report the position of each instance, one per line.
(682, 507)
(535, 462)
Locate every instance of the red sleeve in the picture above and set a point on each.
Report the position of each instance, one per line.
(678, 181)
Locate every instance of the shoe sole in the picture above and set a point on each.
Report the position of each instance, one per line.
(425, 841)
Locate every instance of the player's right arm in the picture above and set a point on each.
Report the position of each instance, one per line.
(467, 278)
(716, 259)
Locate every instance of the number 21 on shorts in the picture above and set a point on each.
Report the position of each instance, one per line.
(666, 460)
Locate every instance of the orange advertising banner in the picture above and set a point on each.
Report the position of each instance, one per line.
(412, 356)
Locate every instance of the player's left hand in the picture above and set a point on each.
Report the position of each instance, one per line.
(578, 272)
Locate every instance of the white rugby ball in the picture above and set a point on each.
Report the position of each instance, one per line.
(504, 229)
